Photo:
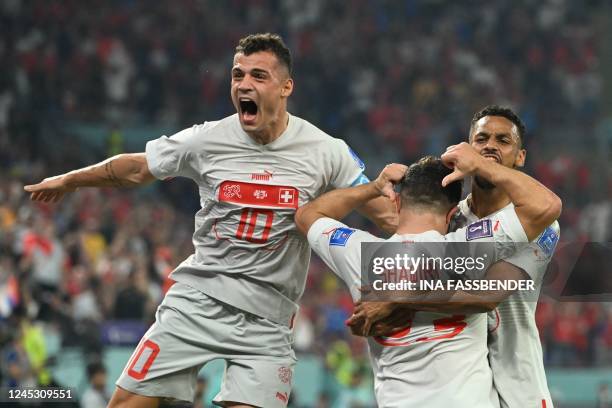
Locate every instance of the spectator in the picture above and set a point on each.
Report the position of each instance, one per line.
(95, 396)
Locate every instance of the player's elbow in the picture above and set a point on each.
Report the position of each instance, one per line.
(550, 210)
(555, 208)
(139, 172)
(388, 222)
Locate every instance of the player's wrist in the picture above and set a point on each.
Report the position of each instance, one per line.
(485, 168)
(373, 189)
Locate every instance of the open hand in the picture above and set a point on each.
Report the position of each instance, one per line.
(50, 190)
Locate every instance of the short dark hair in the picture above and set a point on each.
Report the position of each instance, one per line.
(94, 368)
(266, 42)
(503, 111)
(422, 186)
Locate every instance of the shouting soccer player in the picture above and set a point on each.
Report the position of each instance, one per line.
(419, 366)
(235, 297)
(515, 352)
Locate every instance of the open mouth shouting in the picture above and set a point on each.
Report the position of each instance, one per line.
(248, 110)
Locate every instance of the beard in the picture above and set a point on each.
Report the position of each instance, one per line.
(483, 184)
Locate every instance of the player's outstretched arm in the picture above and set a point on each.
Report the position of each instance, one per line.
(123, 170)
(337, 204)
(536, 206)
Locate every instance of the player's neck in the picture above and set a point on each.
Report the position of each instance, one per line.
(485, 202)
(273, 131)
(413, 222)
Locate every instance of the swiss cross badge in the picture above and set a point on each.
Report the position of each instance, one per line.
(285, 196)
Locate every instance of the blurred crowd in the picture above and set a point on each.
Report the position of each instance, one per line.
(396, 79)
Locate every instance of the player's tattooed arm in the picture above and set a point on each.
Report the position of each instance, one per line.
(111, 176)
(124, 170)
(337, 204)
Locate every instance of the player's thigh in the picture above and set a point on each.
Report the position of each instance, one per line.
(257, 382)
(125, 399)
(166, 362)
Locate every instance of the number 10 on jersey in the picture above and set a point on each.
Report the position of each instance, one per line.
(249, 219)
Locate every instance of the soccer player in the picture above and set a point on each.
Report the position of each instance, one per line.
(515, 352)
(419, 367)
(235, 297)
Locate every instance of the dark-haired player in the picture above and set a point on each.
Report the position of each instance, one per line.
(440, 359)
(236, 296)
(515, 352)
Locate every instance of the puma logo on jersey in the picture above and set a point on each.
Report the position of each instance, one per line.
(265, 176)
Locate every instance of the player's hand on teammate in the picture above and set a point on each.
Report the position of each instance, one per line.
(398, 320)
(463, 158)
(391, 175)
(366, 314)
(50, 190)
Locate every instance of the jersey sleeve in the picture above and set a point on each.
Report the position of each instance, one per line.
(176, 155)
(340, 248)
(503, 229)
(348, 168)
(534, 258)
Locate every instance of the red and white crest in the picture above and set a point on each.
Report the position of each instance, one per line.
(285, 374)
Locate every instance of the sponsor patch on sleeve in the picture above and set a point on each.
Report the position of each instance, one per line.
(361, 179)
(548, 241)
(359, 162)
(340, 236)
(479, 229)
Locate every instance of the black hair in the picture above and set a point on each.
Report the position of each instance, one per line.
(266, 42)
(95, 368)
(503, 111)
(422, 186)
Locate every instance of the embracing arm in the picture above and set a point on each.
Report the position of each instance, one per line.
(379, 318)
(381, 211)
(123, 170)
(369, 198)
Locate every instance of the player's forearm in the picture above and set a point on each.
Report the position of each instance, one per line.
(124, 170)
(458, 301)
(335, 204)
(381, 211)
(536, 206)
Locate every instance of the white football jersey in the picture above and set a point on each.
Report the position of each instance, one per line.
(248, 252)
(515, 351)
(440, 360)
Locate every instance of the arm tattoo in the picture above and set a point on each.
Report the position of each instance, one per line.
(111, 176)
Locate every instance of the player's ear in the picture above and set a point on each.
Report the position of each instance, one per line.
(287, 88)
(450, 214)
(520, 158)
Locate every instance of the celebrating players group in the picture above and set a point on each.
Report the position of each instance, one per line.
(272, 186)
